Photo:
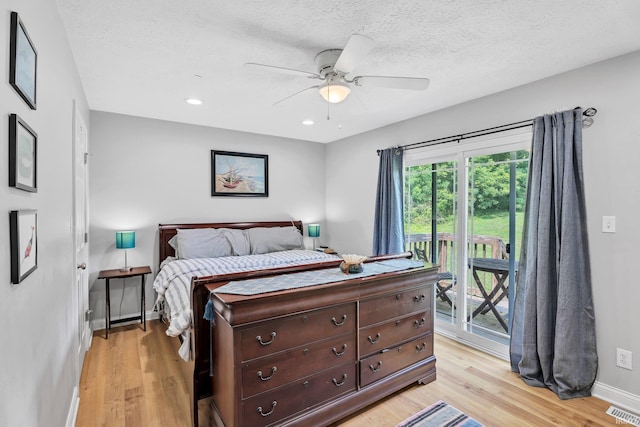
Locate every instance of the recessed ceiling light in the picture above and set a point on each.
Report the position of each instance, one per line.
(193, 101)
(308, 122)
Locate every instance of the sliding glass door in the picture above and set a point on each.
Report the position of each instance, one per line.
(431, 209)
(496, 190)
(463, 210)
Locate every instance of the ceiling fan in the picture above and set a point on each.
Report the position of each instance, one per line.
(334, 67)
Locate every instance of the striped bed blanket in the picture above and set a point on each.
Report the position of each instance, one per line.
(173, 282)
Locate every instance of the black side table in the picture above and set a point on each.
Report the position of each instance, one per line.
(119, 274)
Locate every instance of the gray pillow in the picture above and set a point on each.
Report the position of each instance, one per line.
(273, 239)
(202, 243)
(173, 242)
(238, 239)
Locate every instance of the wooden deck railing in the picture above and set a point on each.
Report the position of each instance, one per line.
(478, 246)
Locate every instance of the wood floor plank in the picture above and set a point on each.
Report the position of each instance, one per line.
(134, 379)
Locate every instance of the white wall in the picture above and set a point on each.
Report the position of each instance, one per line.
(144, 172)
(611, 155)
(39, 333)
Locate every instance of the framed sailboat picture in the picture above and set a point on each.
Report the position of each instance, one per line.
(23, 230)
(239, 174)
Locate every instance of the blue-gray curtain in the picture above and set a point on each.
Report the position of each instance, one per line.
(388, 226)
(553, 341)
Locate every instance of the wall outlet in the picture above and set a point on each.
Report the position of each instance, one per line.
(608, 224)
(624, 359)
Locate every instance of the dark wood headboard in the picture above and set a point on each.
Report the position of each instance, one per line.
(167, 231)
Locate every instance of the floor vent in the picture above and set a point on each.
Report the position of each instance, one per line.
(623, 416)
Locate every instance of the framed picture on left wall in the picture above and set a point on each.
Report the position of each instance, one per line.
(23, 154)
(23, 62)
(23, 230)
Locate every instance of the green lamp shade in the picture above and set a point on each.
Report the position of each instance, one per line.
(125, 239)
(314, 230)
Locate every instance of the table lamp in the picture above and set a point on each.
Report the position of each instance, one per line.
(125, 240)
(314, 231)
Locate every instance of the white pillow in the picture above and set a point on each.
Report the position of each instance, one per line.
(273, 239)
(238, 239)
(202, 243)
(173, 242)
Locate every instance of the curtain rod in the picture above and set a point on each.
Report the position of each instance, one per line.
(589, 112)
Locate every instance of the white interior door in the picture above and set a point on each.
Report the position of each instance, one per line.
(80, 229)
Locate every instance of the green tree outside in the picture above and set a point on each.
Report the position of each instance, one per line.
(489, 191)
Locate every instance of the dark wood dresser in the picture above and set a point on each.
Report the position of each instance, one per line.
(313, 355)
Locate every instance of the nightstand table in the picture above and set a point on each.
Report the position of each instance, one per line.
(119, 274)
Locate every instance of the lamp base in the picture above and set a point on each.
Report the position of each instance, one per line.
(126, 267)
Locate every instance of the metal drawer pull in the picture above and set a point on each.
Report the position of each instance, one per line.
(419, 324)
(266, 414)
(273, 371)
(377, 368)
(339, 384)
(335, 322)
(374, 340)
(344, 350)
(423, 348)
(259, 338)
(419, 298)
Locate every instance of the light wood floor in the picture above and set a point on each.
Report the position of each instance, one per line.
(133, 379)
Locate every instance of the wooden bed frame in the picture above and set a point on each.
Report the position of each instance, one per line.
(197, 372)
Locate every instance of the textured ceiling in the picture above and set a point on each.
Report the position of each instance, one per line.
(144, 57)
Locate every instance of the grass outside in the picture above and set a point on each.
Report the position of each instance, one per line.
(490, 225)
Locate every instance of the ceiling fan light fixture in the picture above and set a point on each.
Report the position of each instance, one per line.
(334, 93)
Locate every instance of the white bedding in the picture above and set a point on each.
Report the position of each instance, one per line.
(173, 282)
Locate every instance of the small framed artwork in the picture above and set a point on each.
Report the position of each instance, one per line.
(23, 227)
(23, 150)
(239, 174)
(23, 62)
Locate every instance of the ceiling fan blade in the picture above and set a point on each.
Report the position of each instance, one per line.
(357, 48)
(284, 70)
(297, 93)
(409, 83)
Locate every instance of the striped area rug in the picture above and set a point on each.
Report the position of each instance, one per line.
(440, 414)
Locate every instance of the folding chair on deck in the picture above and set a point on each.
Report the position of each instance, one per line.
(446, 280)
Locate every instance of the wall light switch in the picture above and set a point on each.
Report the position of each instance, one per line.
(608, 224)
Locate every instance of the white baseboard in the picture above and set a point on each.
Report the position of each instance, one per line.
(617, 397)
(73, 408)
(98, 324)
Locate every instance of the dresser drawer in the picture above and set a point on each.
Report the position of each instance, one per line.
(386, 307)
(267, 408)
(270, 372)
(385, 335)
(285, 333)
(386, 362)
